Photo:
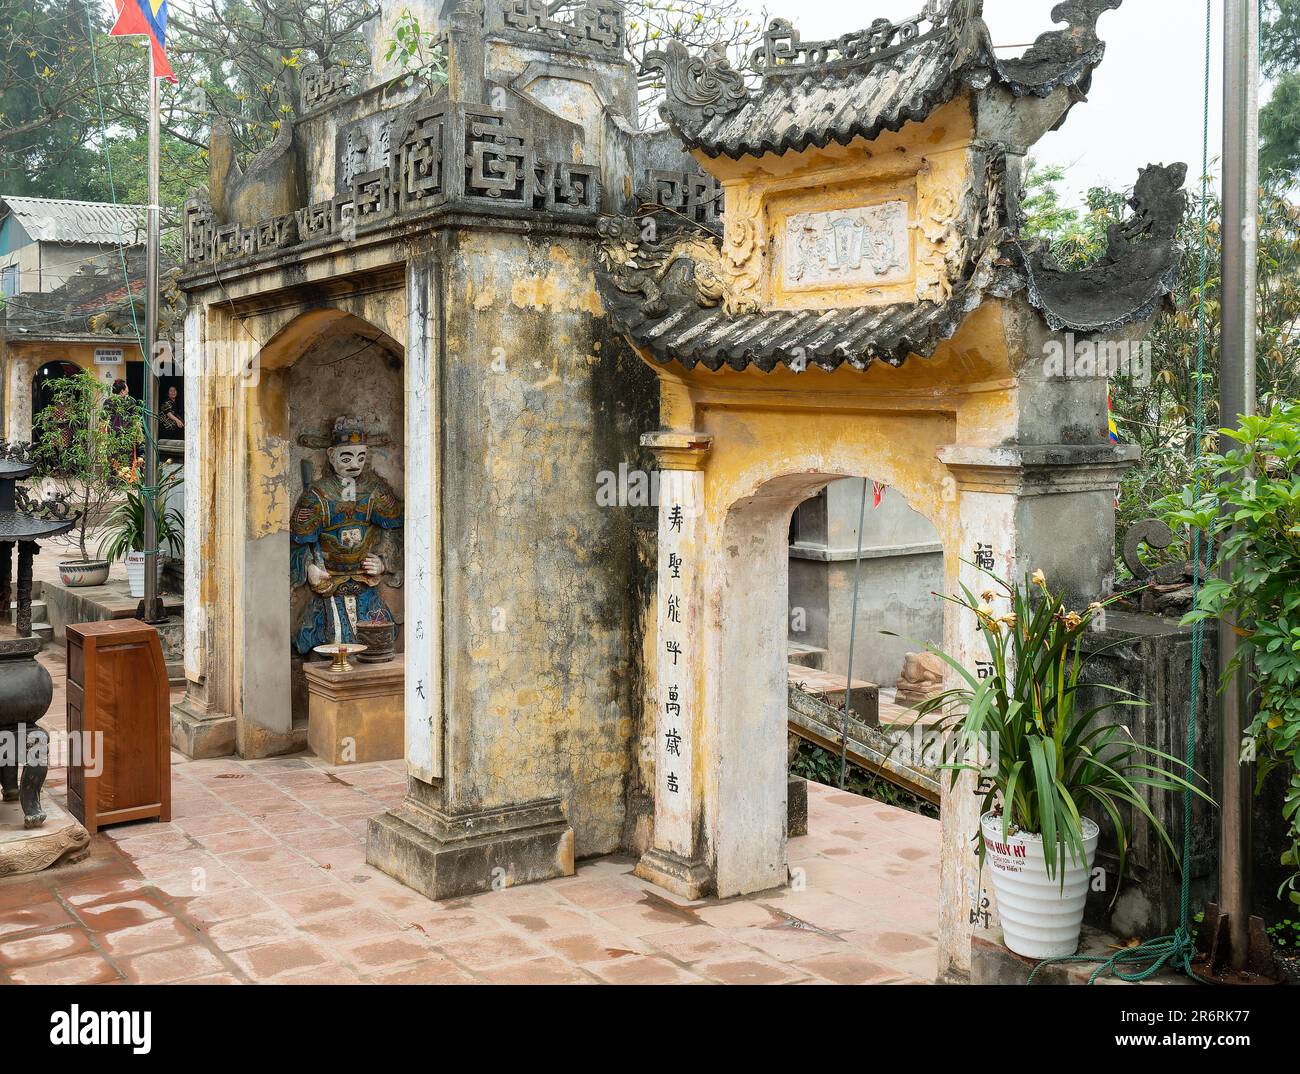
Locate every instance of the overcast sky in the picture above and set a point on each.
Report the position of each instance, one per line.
(1145, 103)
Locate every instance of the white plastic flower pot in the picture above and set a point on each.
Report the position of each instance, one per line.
(1041, 915)
(135, 572)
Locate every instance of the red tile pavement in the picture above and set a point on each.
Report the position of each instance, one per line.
(260, 876)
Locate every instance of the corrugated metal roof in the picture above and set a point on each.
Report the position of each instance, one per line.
(55, 220)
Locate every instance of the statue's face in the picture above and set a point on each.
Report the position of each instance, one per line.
(348, 460)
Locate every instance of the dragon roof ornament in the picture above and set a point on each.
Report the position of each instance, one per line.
(784, 54)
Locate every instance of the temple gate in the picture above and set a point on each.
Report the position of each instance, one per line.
(867, 308)
(823, 277)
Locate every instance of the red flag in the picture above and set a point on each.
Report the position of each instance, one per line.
(877, 492)
(147, 17)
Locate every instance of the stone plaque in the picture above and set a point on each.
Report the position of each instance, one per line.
(362, 147)
(845, 247)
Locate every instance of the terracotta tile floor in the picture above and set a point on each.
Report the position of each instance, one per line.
(261, 876)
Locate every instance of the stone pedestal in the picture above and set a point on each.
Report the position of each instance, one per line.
(199, 733)
(443, 855)
(29, 850)
(356, 715)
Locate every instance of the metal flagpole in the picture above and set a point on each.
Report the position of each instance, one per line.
(1237, 397)
(151, 607)
(853, 639)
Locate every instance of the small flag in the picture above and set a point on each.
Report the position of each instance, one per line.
(877, 493)
(1112, 432)
(148, 17)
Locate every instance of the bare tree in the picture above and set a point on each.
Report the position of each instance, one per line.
(243, 58)
(47, 71)
(698, 24)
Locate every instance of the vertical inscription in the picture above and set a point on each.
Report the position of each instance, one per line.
(680, 496)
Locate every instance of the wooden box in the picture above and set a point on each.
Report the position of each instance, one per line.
(118, 693)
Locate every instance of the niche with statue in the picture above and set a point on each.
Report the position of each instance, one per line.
(345, 559)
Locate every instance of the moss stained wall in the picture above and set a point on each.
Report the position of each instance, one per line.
(539, 612)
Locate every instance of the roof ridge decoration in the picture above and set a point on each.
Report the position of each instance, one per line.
(783, 54)
(699, 86)
(865, 82)
(1058, 57)
(594, 26)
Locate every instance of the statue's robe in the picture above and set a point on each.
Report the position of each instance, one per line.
(337, 527)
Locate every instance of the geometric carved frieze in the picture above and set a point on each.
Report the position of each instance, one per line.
(320, 87)
(498, 160)
(416, 158)
(693, 194)
(595, 26)
(420, 160)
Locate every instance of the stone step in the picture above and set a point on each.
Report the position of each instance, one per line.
(40, 613)
(808, 656)
(830, 689)
(44, 631)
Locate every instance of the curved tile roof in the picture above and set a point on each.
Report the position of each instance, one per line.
(863, 83)
(665, 296)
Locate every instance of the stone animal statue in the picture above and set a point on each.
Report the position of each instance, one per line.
(920, 679)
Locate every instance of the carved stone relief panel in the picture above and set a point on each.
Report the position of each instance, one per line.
(863, 245)
(362, 147)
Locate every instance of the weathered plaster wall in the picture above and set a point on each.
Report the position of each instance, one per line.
(539, 615)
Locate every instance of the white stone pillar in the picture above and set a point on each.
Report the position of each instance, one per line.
(423, 549)
(676, 858)
(1048, 507)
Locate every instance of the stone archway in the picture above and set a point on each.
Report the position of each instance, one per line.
(324, 364)
(738, 458)
(725, 505)
(243, 477)
(752, 681)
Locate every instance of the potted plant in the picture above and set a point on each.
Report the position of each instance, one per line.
(1047, 760)
(124, 528)
(86, 443)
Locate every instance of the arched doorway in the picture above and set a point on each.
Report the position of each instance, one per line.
(754, 670)
(46, 377)
(325, 367)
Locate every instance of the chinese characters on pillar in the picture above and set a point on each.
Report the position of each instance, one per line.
(680, 495)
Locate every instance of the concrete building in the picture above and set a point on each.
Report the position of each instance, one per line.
(44, 242)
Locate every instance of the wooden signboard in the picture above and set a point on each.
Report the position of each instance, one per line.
(117, 692)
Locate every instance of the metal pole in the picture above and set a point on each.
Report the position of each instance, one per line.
(1237, 397)
(853, 638)
(151, 609)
